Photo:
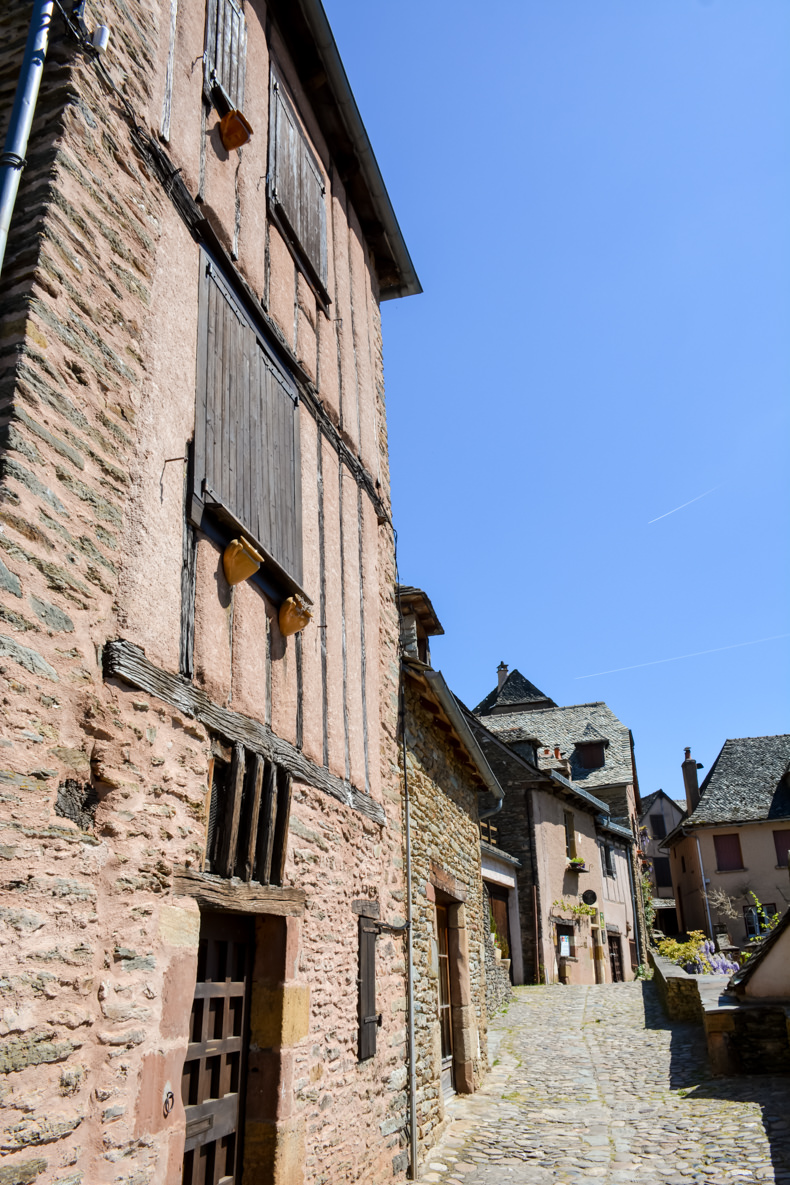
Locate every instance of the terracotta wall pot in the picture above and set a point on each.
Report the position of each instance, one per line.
(294, 616)
(240, 561)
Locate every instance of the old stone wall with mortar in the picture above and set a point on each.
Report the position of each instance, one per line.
(103, 788)
(445, 851)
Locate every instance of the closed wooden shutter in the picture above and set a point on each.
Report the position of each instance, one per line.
(248, 818)
(226, 48)
(728, 852)
(247, 469)
(368, 1020)
(296, 185)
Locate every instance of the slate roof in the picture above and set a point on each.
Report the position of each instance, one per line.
(649, 799)
(748, 781)
(565, 727)
(515, 690)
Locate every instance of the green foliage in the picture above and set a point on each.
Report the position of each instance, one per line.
(768, 921)
(579, 910)
(647, 900)
(682, 952)
(643, 972)
(500, 940)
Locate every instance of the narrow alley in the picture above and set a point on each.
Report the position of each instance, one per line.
(595, 1083)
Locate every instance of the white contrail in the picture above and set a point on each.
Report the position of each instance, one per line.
(677, 508)
(677, 657)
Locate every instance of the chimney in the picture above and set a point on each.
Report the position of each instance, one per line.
(501, 674)
(689, 768)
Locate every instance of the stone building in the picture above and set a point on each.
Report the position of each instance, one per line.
(734, 844)
(450, 785)
(201, 810)
(659, 815)
(578, 891)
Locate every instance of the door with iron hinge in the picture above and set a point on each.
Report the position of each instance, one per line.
(214, 1075)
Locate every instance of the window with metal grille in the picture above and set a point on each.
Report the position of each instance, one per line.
(658, 826)
(248, 817)
(297, 194)
(728, 852)
(246, 465)
(225, 58)
(662, 872)
(782, 845)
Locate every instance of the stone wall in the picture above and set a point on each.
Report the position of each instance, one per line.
(445, 866)
(103, 788)
(677, 990)
(499, 991)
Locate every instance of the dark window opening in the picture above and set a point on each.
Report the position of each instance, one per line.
(782, 845)
(247, 834)
(662, 872)
(658, 826)
(591, 755)
(489, 832)
(682, 863)
(570, 835)
(297, 201)
(246, 462)
(728, 852)
(608, 860)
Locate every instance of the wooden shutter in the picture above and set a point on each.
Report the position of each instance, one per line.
(782, 844)
(296, 186)
(728, 852)
(226, 48)
(368, 1020)
(249, 814)
(247, 469)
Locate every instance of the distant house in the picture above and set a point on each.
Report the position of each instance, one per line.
(569, 819)
(659, 816)
(734, 845)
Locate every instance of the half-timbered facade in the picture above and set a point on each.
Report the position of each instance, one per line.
(201, 812)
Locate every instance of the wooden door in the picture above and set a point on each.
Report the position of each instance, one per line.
(445, 1001)
(212, 1084)
(499, 913)
(615, 959)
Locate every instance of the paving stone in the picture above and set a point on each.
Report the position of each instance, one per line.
(594, 1084)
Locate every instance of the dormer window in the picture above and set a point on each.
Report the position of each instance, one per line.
(591, 754)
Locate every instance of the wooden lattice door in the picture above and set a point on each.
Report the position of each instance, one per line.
(212, 1085)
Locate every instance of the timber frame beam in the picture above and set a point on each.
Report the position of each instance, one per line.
(124, 661)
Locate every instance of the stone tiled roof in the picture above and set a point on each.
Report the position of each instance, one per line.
(566, 727)
(515, 690)
(649, 799)
(748, 781)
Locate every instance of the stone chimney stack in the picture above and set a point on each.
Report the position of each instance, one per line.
(501, 674)
(689, 768)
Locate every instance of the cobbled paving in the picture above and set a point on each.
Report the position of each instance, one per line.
(594, 1083)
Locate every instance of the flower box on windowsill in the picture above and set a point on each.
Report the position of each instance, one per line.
(577, 866)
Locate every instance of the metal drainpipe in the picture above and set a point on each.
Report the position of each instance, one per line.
(409, 949)
(704, 890)
(12, 160)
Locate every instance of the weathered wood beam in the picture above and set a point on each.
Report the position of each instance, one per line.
(212, 892)
(123, 660)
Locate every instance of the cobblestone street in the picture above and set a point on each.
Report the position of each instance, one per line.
(594, 1083)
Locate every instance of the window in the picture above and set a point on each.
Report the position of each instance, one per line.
(489, 832)
(662, 872)
(369, 1019)
(682, 863)
(226, 50)
(608, 860)
(728, 852)
(757, 923)
(658, 826)
(570, 835)
(296, 190)
(591, 755)
(248, 816)
(246, 459)
(782, 843)
(566, 948)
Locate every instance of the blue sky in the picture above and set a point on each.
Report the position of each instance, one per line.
(596, 195)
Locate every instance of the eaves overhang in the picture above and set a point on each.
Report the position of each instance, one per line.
(307, 33)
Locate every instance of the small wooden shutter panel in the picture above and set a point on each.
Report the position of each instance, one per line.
(296, 185)
(368, 1020)
(247, 450)
(226, 48)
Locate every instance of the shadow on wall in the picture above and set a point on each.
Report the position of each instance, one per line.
(690, 1073)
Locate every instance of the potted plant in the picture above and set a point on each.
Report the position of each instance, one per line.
(577, 864)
